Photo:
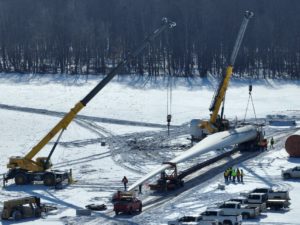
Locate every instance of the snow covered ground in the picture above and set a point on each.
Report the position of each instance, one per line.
(129, 115)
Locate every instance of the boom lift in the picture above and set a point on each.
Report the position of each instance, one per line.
(26, 170)
(199, 129)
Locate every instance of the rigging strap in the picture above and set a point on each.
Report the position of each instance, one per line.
(250, 98)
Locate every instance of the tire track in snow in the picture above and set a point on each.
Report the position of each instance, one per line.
(92, 118)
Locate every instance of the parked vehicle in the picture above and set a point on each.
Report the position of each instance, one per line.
(271, 194)
(254, 199)
(27, 207)
(236, 208)
(265, 202)
(193, 220)
(126, 202)
(218, 214)
(291, 173)
(277, 204)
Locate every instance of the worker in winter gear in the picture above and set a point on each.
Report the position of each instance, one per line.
(233, 174)
(242, 176)
(226, 175)
(238, 175)
(229, 173)
(272, 142)
(125, 181)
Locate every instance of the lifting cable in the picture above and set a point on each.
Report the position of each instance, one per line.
(169, 101)
(250, 98)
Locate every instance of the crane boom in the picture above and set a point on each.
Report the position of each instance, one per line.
(211, 126)
(27, 163)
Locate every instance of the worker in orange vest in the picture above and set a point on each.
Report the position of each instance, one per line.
(125, 181)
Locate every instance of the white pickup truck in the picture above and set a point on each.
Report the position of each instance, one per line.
(193, 220)
(255, 199)
(218, 214)
(236, 208)
(271, 194)
(291, 173)
(276, 203)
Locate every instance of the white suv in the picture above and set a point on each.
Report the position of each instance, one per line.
(291, 173)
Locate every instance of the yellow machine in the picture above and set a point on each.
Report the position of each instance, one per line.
(199, 129)
(22, 208)
(26, 170)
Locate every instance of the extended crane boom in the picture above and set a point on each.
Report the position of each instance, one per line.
(213, 125)
(26, 165)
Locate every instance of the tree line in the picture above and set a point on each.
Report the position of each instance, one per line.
(92, 36)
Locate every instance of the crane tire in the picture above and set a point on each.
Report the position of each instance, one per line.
(21, 178)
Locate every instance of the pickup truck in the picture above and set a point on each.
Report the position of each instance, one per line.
(236, 208)
(126, 202)
(254, 199)
(262, 198)
(193, 220)
(218, 214)
(271, 194)
(291, 173)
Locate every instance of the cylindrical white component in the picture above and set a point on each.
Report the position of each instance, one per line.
(211, 142)
(195, 130)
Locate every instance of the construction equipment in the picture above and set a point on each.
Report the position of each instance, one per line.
(25, 170)
(26, 207)
(199, 129)
(169, 180)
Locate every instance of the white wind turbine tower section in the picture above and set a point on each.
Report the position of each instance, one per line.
(211, 142)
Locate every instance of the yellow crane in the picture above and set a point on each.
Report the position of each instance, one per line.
(200, 129)
(25, 169)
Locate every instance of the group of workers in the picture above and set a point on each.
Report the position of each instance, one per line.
(234, 175)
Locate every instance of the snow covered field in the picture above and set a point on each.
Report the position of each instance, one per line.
(130, 108)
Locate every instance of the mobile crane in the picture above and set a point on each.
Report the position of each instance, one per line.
(199, 129)
(26, 170)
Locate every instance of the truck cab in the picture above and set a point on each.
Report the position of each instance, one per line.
(291, 173)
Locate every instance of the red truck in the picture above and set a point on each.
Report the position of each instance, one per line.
(126, 202)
